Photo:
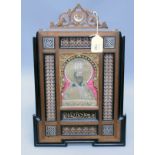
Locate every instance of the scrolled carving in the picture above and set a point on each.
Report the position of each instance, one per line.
(77, 115)
(78, 17)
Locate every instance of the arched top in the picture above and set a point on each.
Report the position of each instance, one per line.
(77, 18)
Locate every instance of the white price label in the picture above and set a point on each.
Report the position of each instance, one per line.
(97, 44)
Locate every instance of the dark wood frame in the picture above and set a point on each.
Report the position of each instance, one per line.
(119, 120)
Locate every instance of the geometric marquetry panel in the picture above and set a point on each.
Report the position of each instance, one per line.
(109, 42)
(108, 86)
(108, 130)
(48, 42)
(50, 130)
(75, 42)
(50, 87)
(79, 130)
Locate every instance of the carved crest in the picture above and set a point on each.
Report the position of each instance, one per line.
(78, 18)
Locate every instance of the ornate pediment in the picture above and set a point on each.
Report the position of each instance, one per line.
(78, 18)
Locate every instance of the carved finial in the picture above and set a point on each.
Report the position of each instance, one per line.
(78, 18)
(51, 24)
(78, 5)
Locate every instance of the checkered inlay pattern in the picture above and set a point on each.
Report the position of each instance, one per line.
(108, 86)
(50, 130)
(108, 130)
(109, 42)
(48, 42)
(50, 87)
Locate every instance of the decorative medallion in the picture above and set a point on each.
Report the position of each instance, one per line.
(78, 17)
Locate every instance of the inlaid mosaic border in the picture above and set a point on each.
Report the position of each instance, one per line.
(108, 84)
(75, 42)
(79, 130)
(48, 42)
(49, 71)
(108, 130)
(50, 131)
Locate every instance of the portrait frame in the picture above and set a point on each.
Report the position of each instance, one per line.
(92, 82)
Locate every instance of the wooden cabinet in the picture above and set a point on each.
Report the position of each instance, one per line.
(79, 94)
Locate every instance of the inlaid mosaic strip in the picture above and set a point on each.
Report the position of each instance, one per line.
(79, 130)
(50, 131)
(50, 87)
(77, 115)
(48, 42)
(109, 42)
(108, 130)
(108, 86)
(75, 42)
